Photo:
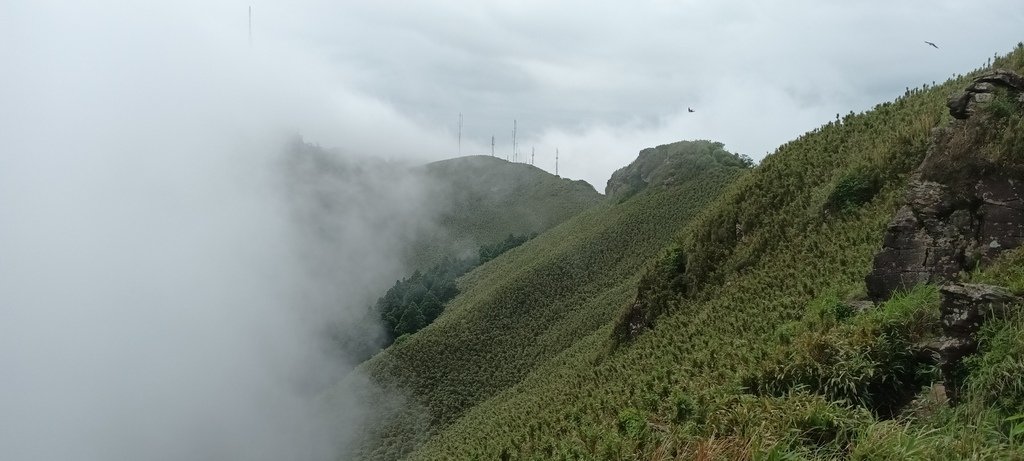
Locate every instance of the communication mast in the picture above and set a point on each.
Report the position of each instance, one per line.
(533, 154)
(250, 26)
(556, 161)
(513, 140)
(460, 133)
(492, 145)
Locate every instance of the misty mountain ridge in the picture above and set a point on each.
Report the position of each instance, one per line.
(528, 305)
(439, 217)
(182, 277)
(482, 199)
(465, 202)
(707, 309)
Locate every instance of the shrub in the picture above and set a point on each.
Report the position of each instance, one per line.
(632, 423)
(870, 361)
(996, 375)
(853, 190)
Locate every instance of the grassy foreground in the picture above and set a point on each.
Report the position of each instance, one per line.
(749, 357)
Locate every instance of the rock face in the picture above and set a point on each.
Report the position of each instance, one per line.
(955, 220)
(963, 105)
(965, 308)
(940, 232)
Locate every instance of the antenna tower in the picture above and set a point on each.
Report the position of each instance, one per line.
(460, 133)
(492, 145)
(513, 154)
(250, 26)
(513, 140)
(556, 161)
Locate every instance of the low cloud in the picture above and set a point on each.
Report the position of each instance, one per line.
(167, 280)
(574, 72)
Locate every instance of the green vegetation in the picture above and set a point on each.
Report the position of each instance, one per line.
(489, 252)
(415, 301)
(481, 200)
(869, 360)
(743, 348)
(853, 190)
(531, 303)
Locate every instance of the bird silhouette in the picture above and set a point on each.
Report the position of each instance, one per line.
(689, 110)
(932, 44)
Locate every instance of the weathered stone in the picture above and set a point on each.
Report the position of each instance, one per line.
(896, 259)
(947, 228)
(961, 222)
(947, 350)
(882, 284)
(965, 306)
(983, 87)
(923, 243)
(1000, 191)
(951, 223)
(930, 198)
(1004, 78)
(959, 105)
(1001, 225)
(962, 105)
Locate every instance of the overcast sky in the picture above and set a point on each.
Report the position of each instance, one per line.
(597, 80)
(602, 80)
(157, 298)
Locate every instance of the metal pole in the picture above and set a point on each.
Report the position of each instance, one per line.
(514, 157)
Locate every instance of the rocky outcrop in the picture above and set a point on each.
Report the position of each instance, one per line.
(965, 308)
(670, 164)
(959, 211)
(964, 104)
(940, 233)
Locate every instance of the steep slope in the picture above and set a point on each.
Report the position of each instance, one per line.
(753, 294)
(533, 302)
(458, 205)
(441, 212)
(481, 200)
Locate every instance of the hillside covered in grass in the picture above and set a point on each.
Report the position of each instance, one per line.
(481, 200)
(742, 341)
(530, 304)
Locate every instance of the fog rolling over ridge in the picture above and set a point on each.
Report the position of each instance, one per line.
(165, 276)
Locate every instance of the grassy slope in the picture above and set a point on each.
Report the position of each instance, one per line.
(757, 260)
(484, 199)
(531, 303)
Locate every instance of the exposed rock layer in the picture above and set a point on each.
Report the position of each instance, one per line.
(965, 308)
(952, 222)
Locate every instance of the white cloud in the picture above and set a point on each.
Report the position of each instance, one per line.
(145, 282)
(765, 72)
(160, 300)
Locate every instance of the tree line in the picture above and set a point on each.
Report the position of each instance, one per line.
(415, 301)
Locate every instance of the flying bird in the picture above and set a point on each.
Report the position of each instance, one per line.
(689, 110)
(932, 44)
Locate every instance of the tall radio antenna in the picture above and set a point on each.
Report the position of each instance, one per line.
(533, 154)
(492, 145)
(513, 140)
(250, 26)
(556, 161)
(460, 133)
